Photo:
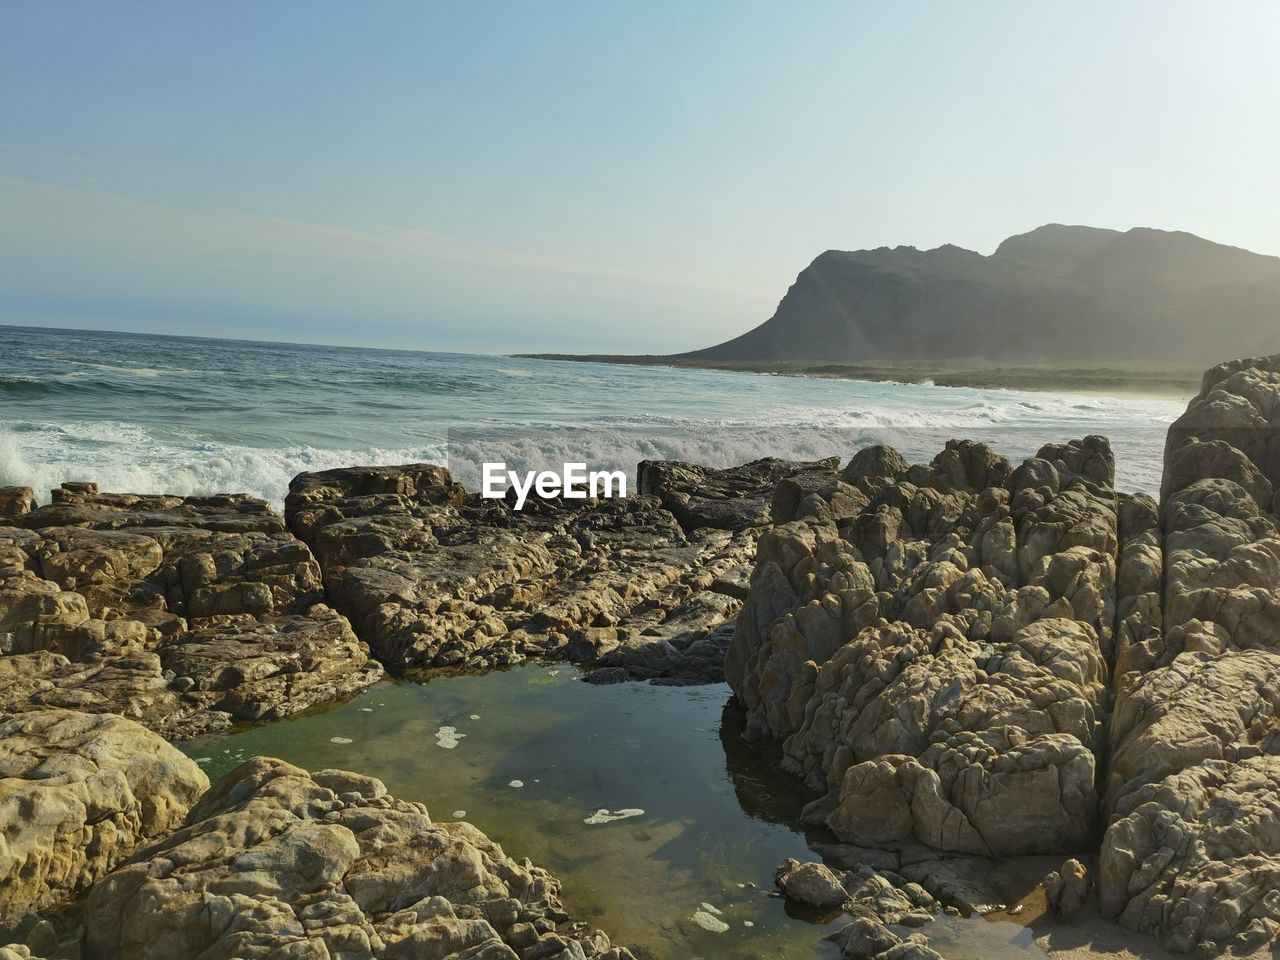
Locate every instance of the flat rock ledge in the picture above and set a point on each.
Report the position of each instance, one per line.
(187, 614)
(645, 587)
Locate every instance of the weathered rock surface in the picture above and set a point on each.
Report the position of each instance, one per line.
(186, 614)
(15, 501)
(275, 862)
(1066, 889)
(433, 576)
(732, 499)
(875, 900)
(932, 648)
(1192, 853)
(79, 793)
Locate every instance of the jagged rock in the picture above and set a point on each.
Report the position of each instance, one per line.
(1197, 858)
(733, 499)
(936, 664)
(15, 501)
(815, 494)
(937, 740)
(432, 576)
(79, 793)
(186, 614)
(879, 461)
(864, 938)
(1200, 707)
(276, 862)
(1066, 889)
(1192, 852)
(1139, 582)
(883, 897)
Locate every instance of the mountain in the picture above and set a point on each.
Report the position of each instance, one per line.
(1058, 293)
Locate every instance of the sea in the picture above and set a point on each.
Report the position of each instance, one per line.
(159, 414)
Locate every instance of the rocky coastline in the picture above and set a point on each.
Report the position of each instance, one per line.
(960, 661)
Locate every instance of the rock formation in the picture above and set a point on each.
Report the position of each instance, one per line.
(939, 648)
(79, 793)
(931, 646)
(874, 900)
(275, 862)
(186, 614)
(432, 576)
(1192, 852)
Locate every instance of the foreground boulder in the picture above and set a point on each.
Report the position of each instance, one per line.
(433, 576)
(184, 613)
(276, 862)
(875, 900)
(1192, 852)
(931, 646)
(79, 793)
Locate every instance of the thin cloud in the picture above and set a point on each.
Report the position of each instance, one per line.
(116, 220)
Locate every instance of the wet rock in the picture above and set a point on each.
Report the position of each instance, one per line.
(641, 587)
(184, 613)
(79, 793)
(863, 892)
(285, 866)
(811, 885)
(864, 938)
(709, 922)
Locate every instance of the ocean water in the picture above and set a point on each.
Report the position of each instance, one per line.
(150, 414)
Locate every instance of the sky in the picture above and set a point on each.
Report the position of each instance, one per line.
(591, 176)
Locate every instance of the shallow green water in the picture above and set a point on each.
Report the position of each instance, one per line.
(717, 817)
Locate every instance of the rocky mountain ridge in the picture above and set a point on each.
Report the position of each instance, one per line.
(1058, 293)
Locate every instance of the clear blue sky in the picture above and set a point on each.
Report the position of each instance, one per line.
(591, 175)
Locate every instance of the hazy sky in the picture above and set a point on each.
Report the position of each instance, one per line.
(592, 175)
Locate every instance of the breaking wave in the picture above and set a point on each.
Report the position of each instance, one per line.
(126, 457)
(159, 414)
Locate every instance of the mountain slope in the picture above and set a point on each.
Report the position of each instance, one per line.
(1058, 293)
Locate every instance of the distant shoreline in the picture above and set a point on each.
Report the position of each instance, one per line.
(1173, 381)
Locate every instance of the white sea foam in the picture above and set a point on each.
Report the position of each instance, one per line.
(448, 738)
(607, 816)
(126, 457)
(150, 415)
(123, 456)
(709, 923)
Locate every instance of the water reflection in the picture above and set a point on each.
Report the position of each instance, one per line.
(717, 815)
(530, 755)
